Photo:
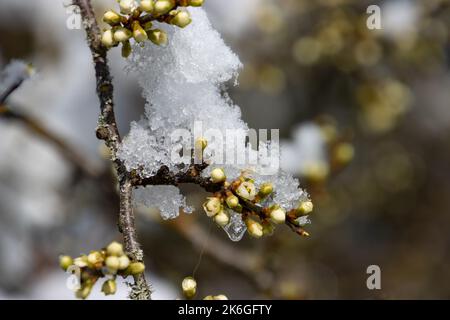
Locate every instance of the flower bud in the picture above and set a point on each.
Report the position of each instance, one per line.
(158, 37)
(114, 249)
(278, 215)
(267, 228)
(265, 189)
(212, 206)
(65, 262)
(147, 26)
(95, 259)
(81, 262)
(255, 229)
(220, 297)
(222, 218)
(122, 34)
(113, 263)
(163, 6)
(201, 143)
(108, 39)
(306, 207)
(189, 286)
(218, 175)
(195, 3)
(124, 262)
(127, 6)
(208, 298)
(135, 268)
(111, 17)
(84, 291)
(139, 33)
(146, 5)
(247, 190)
(232, 201)
(126, 49)
(181, 19)
(344, 153)
(109, 287)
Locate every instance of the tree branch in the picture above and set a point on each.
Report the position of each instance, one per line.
(107, 130)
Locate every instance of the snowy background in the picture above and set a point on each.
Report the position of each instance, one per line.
(312, 70)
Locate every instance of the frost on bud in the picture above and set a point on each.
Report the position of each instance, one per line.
(306, 207)
(232, 201)
(126, 49)
(218, 175)
(112, 263)
(122, 34)
(127, 6)
(195, 3)
(222, 218)
(124, 262)
(108, 38)
(95, 259)
(212, 206)
(189, 287)
(139, 33)
(146, 5)
(65, 262)
(114, 249)
(266, 189)
(136, 268)
(158, 37)
(220, 297)
(163, 6)
(181, 19)
(247, 190)
(255, 229)
(278, 215)
(111, 17)
(109, 287)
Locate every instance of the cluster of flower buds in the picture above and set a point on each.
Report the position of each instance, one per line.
(108, 263)
(136, 18)
(243, 197)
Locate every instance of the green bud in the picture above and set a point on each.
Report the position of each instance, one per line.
(181, 19)
(146, 5)
(65, 262)
(255, 229)
(158, 37)
(122, 34)
(189, 287)
(266, 189)
(163, 6)
(95, 259)
(135, 268)
(108, 38)
(195, 3)
(232, 201)
(212, 206)
(114, 249)
(139, 33)
(124, 262)
(112, 263)
(222, 218)
(109, 287)
(278, 215)
(218, 175)
(112, 18)
(126, 49)
(306, 207)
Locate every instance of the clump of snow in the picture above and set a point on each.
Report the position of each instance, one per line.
(166, 198)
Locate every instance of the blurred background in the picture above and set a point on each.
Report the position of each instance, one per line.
(365, 120)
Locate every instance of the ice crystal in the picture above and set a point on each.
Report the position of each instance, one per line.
(236, 228)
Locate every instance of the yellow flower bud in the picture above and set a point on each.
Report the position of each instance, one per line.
(136, 268)
(127, 6)
(126, 49)
(111, 17)
(218, 175)
(267, 228)
(247, 190)
(81, 262)
(232, 201)
(113, 263)
(220, 297)
(255, 229)
(163, 6)
(208, 298)
(108, 39)
(181, 19)
(139, 33)
(124, 262)
(65, 262)
(84, 291)
(222, 218)
(114, 249)
(146, 5)
(265, 189)
(95, 259)
(122, 34)
(278, 215)
(195, 3)
(212, 206)
(306, 207)
(147, 26)
(109, 287)
(189, 286)
(158, 37)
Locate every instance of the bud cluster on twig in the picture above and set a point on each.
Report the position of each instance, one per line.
(108, 263)
(136, 18)
(243, 197)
